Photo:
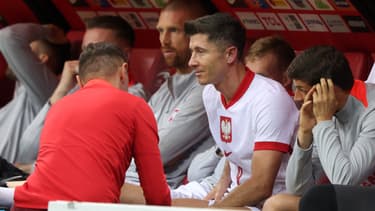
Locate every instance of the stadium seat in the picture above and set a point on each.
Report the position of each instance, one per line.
(360, 63)
(147, 65)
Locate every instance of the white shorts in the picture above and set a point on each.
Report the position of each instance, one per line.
(192, 190)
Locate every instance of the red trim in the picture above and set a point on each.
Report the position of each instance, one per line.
(359, 92)
(270, 145)
(245, 83)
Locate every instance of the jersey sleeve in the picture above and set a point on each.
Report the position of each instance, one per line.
(303, 170)
(147, 158)
(276, 121)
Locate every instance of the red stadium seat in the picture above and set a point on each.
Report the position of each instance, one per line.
(6, 85)
(146, 65)
(360, 63)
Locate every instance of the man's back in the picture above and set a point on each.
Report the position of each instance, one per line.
(87, 144)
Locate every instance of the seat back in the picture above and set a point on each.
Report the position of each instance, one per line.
(147, 66)
(360, 64)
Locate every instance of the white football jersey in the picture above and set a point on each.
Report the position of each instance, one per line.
(261, 116)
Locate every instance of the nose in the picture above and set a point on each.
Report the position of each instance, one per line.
(165, 38)
(192, 61)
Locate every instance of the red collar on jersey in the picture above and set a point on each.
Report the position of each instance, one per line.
(245, 83)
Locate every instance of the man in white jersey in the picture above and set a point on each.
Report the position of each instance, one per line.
(268, 56)
(252, 118)
(336, 135)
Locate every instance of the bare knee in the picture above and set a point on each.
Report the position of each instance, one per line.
(281, 202)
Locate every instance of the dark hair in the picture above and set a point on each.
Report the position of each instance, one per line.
(322, 62)
(197, 7)
(122, 28)
(57, 54)
(272, 44)
(100, 59)
(221, 28)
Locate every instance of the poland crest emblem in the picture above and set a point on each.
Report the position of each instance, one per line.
(226, 129)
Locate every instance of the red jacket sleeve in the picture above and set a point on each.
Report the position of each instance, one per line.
(147, 158)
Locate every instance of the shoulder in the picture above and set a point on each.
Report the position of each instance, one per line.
(268, 90)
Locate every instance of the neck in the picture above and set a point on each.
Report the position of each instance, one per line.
(342, 98)
(231, 81)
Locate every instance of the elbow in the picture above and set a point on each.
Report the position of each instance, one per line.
(264, 191)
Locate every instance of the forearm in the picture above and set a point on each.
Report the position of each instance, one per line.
(299, 173)
(249, 193)
(61, 90)
(22, 34)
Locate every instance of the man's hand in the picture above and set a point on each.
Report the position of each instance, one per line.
(307, 120)
(67, 81)
(217, 193)
(325, 103)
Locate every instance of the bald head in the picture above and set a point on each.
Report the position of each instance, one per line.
(195, 8)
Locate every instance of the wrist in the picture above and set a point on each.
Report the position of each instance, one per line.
(323, 118)
(304, 138)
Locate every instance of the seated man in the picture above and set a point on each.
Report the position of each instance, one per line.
(335, 141)
(177, 105)
(87, 144)
(252, 118)
(113, 29)
(34, 54)
(268, 56)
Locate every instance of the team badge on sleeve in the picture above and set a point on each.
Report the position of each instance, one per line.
(226, 129)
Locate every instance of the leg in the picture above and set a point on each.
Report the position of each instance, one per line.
(320, 198)
(354, 198)
(132, 194)
(282, 202)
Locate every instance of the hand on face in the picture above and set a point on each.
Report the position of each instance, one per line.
(68, 80)
(324, 100)
(307, 118)
(306, 121)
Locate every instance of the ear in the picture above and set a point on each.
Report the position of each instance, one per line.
(124, 72)
(43, 58)
(231, 54)
(79, 81)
